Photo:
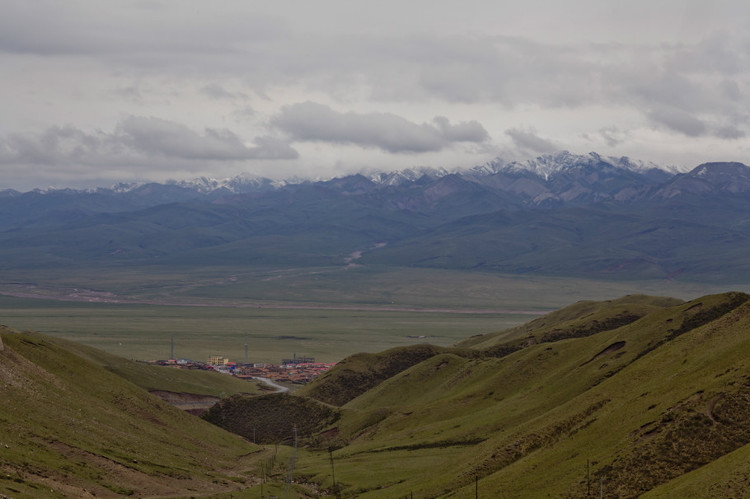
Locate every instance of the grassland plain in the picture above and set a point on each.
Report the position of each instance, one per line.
(639, 405)
(144, 332)
(373, 285)
(650, 405)
(324, 312)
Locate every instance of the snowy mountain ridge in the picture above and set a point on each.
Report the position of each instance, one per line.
(549, 165)
(544, 167)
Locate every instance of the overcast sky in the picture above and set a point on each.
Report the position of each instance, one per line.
(93, 92)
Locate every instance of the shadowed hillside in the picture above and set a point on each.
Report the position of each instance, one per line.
(271, 419)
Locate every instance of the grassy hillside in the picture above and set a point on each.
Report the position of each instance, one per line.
(153, 378)
(646, 406)
(72, 428)
(580, 319)
(358, 373)
(657, 404)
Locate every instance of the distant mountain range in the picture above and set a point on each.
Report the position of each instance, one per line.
(561, 214)
(561, 177)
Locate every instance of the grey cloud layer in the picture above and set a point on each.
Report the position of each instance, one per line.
(134, 140)
(530, 142)
(49, 27)
(313, 122)
(264, 51)
(529, 78)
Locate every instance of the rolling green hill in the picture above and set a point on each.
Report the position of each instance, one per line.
(580, 319)
(651, 404)
(71, 428)
(641, 396)
(153, 378)
(358, 373)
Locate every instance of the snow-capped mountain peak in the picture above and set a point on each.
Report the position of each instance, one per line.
(408, 175)
(549, 165)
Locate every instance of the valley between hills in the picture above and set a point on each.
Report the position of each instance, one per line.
(639, 396)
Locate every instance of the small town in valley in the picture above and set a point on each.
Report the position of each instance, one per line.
(296, 370)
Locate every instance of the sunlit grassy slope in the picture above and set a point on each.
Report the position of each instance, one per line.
(70, 427)
(646, 406)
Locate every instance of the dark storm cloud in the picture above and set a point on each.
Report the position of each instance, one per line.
(50, 146)
(49, 27)
(529, 142)
(730, 132)
(467, 131)
(156, 136)
(269, 147)
(679, 121)
(689, 125)
(313, 122)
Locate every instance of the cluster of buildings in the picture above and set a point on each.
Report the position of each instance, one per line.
(297, 370)
(299, 373)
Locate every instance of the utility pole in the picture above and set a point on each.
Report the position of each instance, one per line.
(171, 349)
(333, 472)
(245, 349)
(291, 464)
(262, 478)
